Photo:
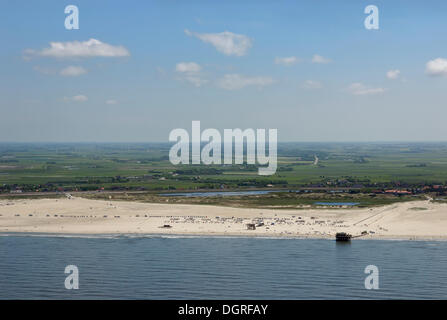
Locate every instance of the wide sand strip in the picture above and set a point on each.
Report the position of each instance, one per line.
(409, 220)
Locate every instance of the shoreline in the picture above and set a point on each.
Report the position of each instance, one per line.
(416, 220)
(210, 235)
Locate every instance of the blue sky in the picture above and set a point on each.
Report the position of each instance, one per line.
(307, 68)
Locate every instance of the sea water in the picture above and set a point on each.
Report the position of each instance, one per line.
(181, 267)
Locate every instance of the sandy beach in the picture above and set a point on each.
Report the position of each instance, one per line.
(409, 220)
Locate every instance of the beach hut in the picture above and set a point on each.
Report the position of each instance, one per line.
(251, 226)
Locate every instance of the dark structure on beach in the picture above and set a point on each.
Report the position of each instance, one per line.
(343, 236)
(251, 226)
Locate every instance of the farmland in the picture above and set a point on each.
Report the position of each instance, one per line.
(341, 167)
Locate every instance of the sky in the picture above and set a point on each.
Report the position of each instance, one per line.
(135, 70)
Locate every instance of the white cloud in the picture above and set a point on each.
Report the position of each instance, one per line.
(187, 67)
(190, 72)
(393, 74)
(320, 59)
(77, 49)
(73, 71)
(312, 84)
(226, 42)
(111, 101)
(77, 98)
(437, 67)
(286, 61)
(359, 89)
(237, 81)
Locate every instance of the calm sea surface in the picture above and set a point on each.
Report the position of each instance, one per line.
(156, 267)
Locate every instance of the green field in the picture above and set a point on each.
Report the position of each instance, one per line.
(69, 167)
